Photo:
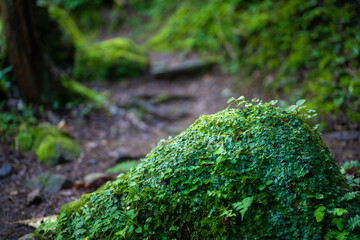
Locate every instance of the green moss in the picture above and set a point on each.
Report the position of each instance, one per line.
(76, 205)
(85, 94)
(68, 25)
(110, 60)
(252, 172)
(52, 146)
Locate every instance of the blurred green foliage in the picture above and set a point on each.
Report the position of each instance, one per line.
(106, 60)
(14, 125)
(109, 60)
(68, 25)
(300, 49)
(5, 81)
(68, 4)
(88, 13)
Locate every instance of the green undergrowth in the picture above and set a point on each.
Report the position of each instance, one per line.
(21, 129)
(68, 25)
(82, 94)
(292, 48)
(111, 59)
(252, 171)
(90, 15)
(115, 58)
(14, 125)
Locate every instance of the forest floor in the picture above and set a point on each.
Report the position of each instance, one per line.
(140, 112)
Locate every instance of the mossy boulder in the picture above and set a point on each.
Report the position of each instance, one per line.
(111, 59)
(52, 146)
(252, 172)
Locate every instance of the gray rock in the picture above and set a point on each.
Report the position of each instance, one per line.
(34, 183)
(34, 197)
(53, 118)
(96, 179)
(29, 236)
(54, 183)
(5, 170)
(50, 182)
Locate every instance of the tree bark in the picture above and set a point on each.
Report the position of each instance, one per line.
(38, 79)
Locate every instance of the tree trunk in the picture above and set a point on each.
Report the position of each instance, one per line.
(37, 77)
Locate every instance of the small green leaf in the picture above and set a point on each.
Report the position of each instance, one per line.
(174, 180)
(174, 228)
(269, 182)
(220, 159)
(231, 100)
(138, 230)
(339, 222)
(273, 102)
(300, 102)
(319, 196)
(292, 108)
(319, 213)
(220, 151)
(243, 206)
(339, 211)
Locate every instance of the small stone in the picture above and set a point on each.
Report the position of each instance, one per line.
(34, 183)
(5, 170)
(96, 179)
(91, 145)
(50, 182)
(93, 162)
(54, 183)
(29, 236)
(14, 193)
(34, 197)
(53, 118)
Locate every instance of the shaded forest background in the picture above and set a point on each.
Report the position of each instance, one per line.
(288, 49)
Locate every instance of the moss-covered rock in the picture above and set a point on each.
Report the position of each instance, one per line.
(112, 59)
(257, 172)
(52, 146)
